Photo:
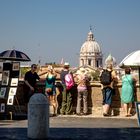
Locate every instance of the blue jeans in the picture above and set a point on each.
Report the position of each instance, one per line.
(107, 95)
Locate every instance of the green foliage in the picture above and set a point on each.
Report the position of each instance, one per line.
(23, 70)
(95, 75)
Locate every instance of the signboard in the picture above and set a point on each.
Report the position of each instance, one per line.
(137, 104)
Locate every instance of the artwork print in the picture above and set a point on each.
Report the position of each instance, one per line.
(2, 107)
(12, 91)
(10, 100)
(16, 66)
(2, 92)
(14, 81)
(5, 77)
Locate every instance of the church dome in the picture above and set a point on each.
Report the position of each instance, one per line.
(90, 46)
(110, 60)
(90, 52)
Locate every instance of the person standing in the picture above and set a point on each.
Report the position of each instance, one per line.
(30, 82)
(66, 107)
(50, 89)
(107, 87)
(128, 88)
(82, 83)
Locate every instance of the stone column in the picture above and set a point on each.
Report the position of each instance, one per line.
(38, 117)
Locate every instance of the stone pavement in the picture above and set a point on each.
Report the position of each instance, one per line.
(73, 127)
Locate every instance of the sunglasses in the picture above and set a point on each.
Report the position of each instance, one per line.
(35, 67)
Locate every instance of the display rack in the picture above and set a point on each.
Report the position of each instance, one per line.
(9, 84)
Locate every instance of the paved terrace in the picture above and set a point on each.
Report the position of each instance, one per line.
(74, 127)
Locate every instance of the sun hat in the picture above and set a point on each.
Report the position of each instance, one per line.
(66, 64)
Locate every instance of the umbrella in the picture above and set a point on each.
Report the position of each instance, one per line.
(14, 55)
(132, 60)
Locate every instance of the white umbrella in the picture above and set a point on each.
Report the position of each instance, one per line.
(132, 60)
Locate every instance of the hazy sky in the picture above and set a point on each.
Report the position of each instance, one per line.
(54, 29)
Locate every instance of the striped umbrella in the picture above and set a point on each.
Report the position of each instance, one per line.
(14, 55)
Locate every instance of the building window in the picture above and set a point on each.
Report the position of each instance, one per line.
(89, 62)
(97, 64)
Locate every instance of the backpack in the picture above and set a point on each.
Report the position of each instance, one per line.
(69, 81)
(106, 77)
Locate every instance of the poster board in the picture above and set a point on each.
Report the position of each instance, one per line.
(137, 104)
(10, 79)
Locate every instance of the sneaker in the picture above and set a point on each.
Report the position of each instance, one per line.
(69, 113)
(78, 114)
(62, 113)
(85, 113)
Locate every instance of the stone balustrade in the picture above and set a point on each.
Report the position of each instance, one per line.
(94, 98)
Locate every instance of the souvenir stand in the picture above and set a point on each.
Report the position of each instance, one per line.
(9, 84)
(9, 78)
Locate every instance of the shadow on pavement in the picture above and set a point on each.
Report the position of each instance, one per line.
(75, 134)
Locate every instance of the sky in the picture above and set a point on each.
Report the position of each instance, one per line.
(49, 30)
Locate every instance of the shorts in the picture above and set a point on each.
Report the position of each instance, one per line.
(53, 92)
(107, 95)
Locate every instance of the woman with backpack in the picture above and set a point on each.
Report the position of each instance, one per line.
(108, 77)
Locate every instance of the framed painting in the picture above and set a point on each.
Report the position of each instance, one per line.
(5, 77)
(10, 100)
(16, 66)
(2, 92)
(14, 81)
(12, 91)
(2, 107)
